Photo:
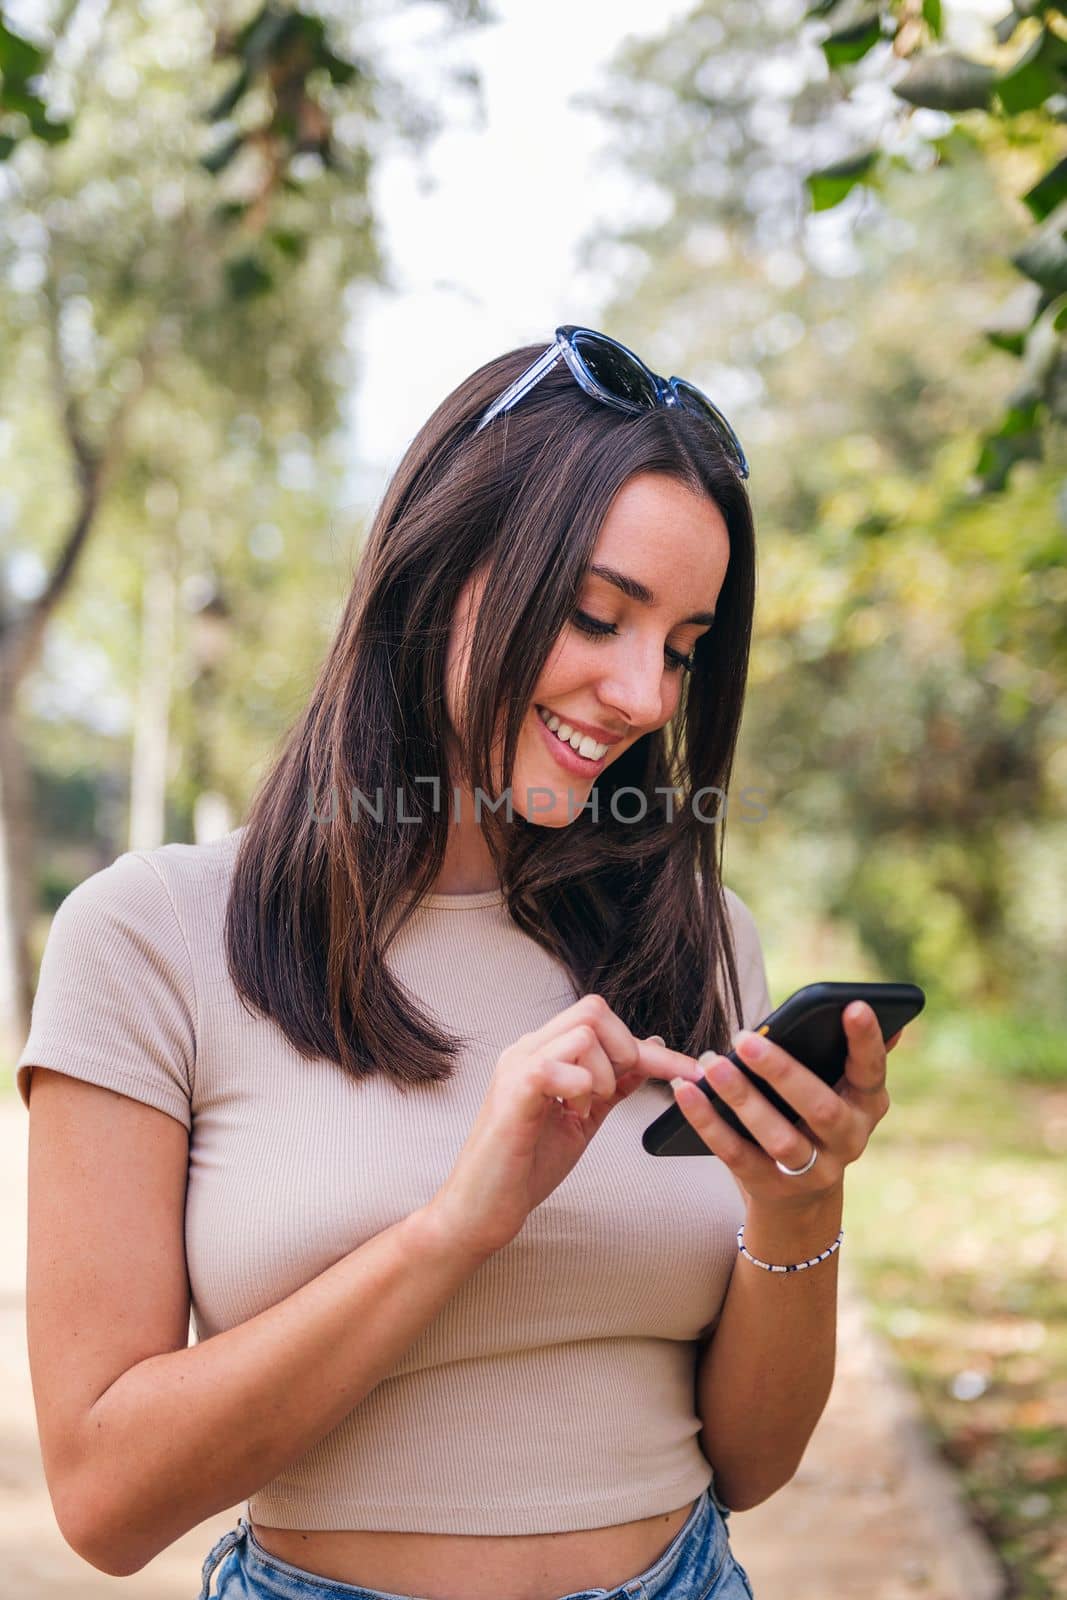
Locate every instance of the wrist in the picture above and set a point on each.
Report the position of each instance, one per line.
(796, 1230)
(445, 1238)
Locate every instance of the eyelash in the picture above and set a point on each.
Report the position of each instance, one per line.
(597, 630)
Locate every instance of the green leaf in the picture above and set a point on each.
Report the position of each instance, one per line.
(1042, 354)
(342, 72)
(229, 97)
(16, 97)
(215, 160)
(947, 81)
(247, 277)
(293, 245)
(314, 32)
(1040, 72)
(873, 525)
(1043, 558)
(1018, 420)
(852, 43)
(1044, 256)
(19, 58)
(1000, 452)
(229, 211)
(50, 132)
(855, 27)
(258, 40)
(829, 186)
(7, 144)
(932, 16)
(1010, 339)
(1048, 191)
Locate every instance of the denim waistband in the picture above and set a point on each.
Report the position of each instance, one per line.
(687, 1569)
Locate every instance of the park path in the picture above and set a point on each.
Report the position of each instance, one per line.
(872, 1513)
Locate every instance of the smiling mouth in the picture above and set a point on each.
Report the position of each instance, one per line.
(581, 743)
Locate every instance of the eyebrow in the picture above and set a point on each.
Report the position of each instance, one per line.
(635, 590)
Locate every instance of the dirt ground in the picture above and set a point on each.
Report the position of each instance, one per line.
(872, 1513)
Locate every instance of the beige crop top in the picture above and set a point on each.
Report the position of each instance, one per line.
(555, 1390)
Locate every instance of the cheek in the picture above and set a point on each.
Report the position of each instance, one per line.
(569, 663)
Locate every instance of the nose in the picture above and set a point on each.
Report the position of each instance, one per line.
(633, 687)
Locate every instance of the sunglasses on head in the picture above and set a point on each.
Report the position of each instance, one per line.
(611, 373)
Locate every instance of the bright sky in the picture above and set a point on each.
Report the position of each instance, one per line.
(487, 260)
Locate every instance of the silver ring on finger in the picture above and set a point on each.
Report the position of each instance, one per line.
(798, 1172)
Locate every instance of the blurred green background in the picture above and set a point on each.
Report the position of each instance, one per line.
(852, 231)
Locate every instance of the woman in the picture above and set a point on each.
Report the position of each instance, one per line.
(363, 1083)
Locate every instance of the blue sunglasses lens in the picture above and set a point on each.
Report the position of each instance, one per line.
(615, 371)
(692, 399)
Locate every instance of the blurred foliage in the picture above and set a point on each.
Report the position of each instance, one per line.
(957, 1218)
(174, 327)
(908, 713)
(1014, 97)
(22, 110)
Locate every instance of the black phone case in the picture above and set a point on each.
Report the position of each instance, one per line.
(809, 1026)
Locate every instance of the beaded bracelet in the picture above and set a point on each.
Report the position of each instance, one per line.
(797, 1266)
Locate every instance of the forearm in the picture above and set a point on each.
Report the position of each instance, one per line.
(765, 1377)
(183, 1435)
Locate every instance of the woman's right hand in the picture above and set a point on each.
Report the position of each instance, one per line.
(550, 1092)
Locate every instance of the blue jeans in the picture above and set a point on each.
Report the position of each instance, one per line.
(698, 1564)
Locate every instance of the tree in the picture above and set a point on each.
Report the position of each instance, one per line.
(157, 279)
(1013, 97)
(910, 668)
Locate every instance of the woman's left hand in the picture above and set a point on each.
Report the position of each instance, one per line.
(837, 1121)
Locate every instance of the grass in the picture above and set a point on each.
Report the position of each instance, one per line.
(956, 1218)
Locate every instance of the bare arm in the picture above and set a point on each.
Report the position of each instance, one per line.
(764, 1378)
(144, 1437)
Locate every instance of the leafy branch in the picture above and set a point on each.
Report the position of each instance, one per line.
(1017, 97)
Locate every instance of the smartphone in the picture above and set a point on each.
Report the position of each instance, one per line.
(808, 1025)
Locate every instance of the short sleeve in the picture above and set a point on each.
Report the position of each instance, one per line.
(114, 1003)
(756, 1002)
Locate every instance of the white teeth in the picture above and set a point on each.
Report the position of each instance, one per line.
(580, 742)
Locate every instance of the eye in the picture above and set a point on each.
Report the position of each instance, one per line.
(598, 629)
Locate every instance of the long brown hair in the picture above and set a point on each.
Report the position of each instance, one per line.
(633, 908)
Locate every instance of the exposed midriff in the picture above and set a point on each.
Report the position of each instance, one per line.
(443, 1566)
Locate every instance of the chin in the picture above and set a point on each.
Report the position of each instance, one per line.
(542, 779)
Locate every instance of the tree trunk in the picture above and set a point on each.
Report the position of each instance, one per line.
(148, 771)
(212, 816)
(16, 888)
(21, 641)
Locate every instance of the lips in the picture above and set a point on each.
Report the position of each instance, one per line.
(564, 734)
(567, 757)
